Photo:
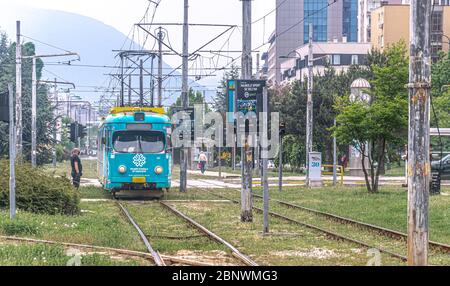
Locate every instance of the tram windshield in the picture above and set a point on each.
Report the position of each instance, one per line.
(138, 141)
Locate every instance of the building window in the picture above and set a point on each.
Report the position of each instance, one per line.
(436, 34)
(336, 60)
(355, 60)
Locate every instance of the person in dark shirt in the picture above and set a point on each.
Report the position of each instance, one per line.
(77, 167)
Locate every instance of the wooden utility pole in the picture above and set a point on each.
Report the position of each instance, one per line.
(419, 132)
(185, 94)
(12, 155)
(309, 105)
(160, 66)
(246, 151)
(18, 92)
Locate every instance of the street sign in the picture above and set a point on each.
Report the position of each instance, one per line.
(315, 166)
(4, 107)
(244, 96)
(249, 95)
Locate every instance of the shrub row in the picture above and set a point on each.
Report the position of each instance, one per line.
(38, 191)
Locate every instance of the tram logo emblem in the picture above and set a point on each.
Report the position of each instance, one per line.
(139, 160)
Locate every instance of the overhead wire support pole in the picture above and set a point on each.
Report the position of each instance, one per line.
(18, 91)
(184, 93)
(419, 132)
(160, 66)
(12, 156)
(309, 105)
(246, 151)
(33, 114)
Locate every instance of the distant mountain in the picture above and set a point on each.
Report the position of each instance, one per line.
(92, 39)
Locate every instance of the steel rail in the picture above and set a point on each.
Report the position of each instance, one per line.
(156, 257)
(375, 228)
(236, 253)
(389, 232)
(327, 232)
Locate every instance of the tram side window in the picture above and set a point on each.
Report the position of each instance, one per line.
(138, 141)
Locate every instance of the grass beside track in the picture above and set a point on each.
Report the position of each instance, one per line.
(99, 224)
(388, 208)
(348, 230)
(51, 255)
(287, 244)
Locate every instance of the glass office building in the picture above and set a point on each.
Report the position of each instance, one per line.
(343, 13)
(350, 20)
(315, 13)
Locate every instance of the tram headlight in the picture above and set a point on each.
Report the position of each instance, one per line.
(122, 169)
(159, 170)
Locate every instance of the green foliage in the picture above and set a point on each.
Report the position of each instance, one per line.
(45, 119)
(39, 192)
(220, 100)
(18, 227)
(194, 98)
(381, 122)
(440, 74)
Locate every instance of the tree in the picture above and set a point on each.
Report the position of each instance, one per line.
(220, 100)
(44, 119)
(370, 127)
(440, 74)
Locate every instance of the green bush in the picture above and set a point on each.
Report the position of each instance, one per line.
(39, 192)
(18, 227)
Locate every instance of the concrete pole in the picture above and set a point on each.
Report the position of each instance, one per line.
(18, 92)
(12, 156)
(334, 158)
(280, 165)
(309, 106)
(122, 84)
(141, 83)
(129, 89)
(246, 151)
(55, 94)
(160, 66)
(419, 132)
(33, 114)
(185, 94)
(265, 182)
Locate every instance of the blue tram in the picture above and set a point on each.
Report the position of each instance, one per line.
(134, 151)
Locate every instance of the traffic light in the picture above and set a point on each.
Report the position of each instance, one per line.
(82, 131)
(73, 132)
(282, 128)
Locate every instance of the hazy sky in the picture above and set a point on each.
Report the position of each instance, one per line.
(123, 14)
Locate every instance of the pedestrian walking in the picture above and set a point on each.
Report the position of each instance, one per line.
(203, 160)
(77, 167)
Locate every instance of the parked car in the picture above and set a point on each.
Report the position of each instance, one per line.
(442, 166)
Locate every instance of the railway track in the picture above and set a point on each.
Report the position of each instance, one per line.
(381, 230)
(316, 228)
(160, 259)
(445, 248)
(236, 253)
(156, 257)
